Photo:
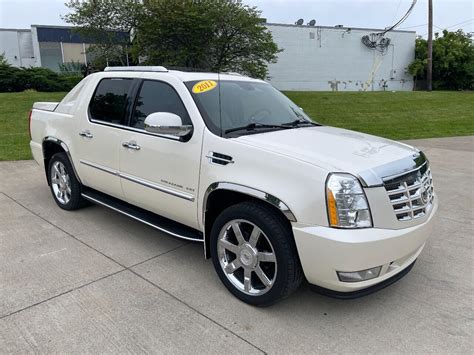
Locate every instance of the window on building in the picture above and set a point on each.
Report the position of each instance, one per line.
(110, 100)
(74, 52)
(51, 56)
(156, 96)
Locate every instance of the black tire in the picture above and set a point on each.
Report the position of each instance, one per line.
(75, 201)
(289, 275)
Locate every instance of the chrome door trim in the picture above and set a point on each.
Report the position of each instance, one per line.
(100, 167)
(139, 219)
(133, 129)
(137, 180)
(65, 148)
(183, 195)
(273, 200)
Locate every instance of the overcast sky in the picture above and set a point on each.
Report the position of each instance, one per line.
(451, 14)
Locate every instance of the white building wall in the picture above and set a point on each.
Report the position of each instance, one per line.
(334, 59)
(9, 46)
(36, 50)
(17, 46)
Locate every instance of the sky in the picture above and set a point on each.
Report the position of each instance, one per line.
(451, 14)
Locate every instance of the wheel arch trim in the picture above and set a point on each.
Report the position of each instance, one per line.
(245, 190)
(54, 140)
(250, 191)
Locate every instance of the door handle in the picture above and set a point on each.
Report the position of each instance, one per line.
(86, 134)
(131, 145)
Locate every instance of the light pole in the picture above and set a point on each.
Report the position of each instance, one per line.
(429, 71)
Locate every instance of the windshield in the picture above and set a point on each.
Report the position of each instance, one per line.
(243, 103)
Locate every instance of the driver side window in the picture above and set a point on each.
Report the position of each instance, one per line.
(157, 96)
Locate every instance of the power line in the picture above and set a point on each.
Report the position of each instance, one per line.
(401, 20)
(464, 23)
(460, 23)
(424, 24)
(405, 28)
(396, 11)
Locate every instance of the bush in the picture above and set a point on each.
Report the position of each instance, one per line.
(72, 68)
(453, 61)
(72, 80)
(14, 79)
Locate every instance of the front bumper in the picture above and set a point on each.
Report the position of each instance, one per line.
(323, 251)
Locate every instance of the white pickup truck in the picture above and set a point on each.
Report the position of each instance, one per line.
(230, 162)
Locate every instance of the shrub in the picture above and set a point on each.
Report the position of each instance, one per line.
(71, 81)
(72, 68)
(14, 79)
(3, 59)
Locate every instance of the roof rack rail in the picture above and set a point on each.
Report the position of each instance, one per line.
(232, 73)
(153, 68)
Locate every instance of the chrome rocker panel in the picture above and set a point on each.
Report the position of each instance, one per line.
(151, 219)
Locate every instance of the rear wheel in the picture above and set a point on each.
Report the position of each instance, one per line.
(254, 254)
(65, 187)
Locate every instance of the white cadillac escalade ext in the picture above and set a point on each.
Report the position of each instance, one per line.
(230, 162)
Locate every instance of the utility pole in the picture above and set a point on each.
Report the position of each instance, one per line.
(429, 71)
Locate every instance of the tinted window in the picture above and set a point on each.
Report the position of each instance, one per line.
(239, 103)
(110, 100)
(156, 96)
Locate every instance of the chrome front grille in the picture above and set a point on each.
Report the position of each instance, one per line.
(411, 194)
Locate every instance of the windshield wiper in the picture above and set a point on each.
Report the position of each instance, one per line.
(300, 121)
(254, 126)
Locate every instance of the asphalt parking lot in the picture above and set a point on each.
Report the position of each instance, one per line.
(96, 281)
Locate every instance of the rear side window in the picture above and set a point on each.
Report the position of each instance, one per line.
(110, 100)
(156, 96)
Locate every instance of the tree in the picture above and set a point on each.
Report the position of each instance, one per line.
(3, 59)
(216, 35)
(99, 21)
(453, 60)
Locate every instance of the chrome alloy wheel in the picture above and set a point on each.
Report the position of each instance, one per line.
(247, 257)
(60, 182)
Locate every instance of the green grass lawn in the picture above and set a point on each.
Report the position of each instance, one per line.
(400, 115)
(395, 115)
(14, 109)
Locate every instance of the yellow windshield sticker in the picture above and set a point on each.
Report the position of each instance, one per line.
(204, 86)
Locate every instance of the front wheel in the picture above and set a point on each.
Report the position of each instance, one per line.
(254, 254)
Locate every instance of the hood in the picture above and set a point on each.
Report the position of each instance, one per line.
(331, 148)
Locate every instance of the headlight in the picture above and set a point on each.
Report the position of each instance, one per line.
(346, 202)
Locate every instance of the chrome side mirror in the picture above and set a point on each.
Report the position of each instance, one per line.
(166, 123)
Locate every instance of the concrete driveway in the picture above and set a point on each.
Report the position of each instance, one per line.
(96, 281)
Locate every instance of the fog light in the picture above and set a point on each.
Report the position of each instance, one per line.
(357, 276)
